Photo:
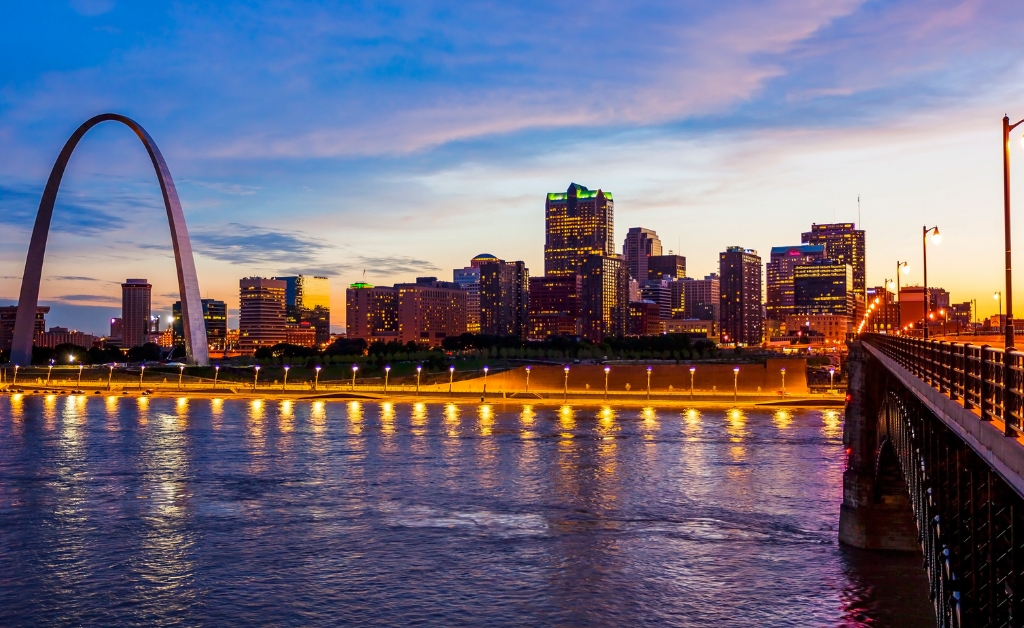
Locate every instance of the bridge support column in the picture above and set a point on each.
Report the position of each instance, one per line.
(876, 512)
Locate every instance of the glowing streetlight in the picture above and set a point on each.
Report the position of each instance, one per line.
(831, 377)
(693, 369)
(255, 376)
(387, 371)
(735, 383)
(110, 376)
(316, 379)
(142, 373)
(607, 370)
(451, 378)
(1007, 127)
(936, 238)
(284, 386)
(419, 369)
(355, 369)
(484, 396)
(48, 371)
(15, 382)
(565, 389)
(527, 380)
(216, 373)
(783, 371)
(648, 383)
(80, 366)
(181, 373)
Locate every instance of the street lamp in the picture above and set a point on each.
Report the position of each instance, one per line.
(735, 383)
(527, 379)
(80, 366)
(355, 368)
(783, 371)
(648, 383)
(387, 371)
(110, 376)
(831, 377)
(284, 386)
(607, 370)
(1007, 127)
(485, 384)
(15, 382)
(999, 297)
(566, 389)
(693, 369)
(48, 370)
(936, 238)
(255, 377)
(451, 378)
(419, 369)
(901, 267)
(181, 373)
(216, 374)
(316, 378)
(142, 372)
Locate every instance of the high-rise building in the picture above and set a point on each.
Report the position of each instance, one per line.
(468, 279)
(504, 300)
(659, 291)
(644, 319)
(605, 297)
(740, 296)
(371, 313)
(430, 311)
(639, 246)
(308, 300)
(702, 297)
(555, 306)
(661, 266)
(844, 243)
(824, 286)
(215, 319)
(136, 295)
(261, 313)
(8, 314)
(779, 276)
(579, 223)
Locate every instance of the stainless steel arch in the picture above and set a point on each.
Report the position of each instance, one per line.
(196, 348)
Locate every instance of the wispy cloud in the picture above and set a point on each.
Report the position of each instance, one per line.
(398, 265)
(248, 244)
(94, 299)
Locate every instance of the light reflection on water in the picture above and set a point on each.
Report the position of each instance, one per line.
(186, 511)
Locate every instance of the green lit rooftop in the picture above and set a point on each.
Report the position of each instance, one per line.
(582, 193)
(361, 285)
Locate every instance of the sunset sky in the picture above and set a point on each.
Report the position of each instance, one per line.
(402, 139)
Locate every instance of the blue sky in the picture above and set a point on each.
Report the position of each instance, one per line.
(401, 139)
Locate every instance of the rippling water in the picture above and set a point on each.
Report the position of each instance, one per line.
(202, 512)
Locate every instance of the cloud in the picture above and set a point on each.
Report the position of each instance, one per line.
(77, 214)
(395, 265)
(86, 298)
(90, 8)
(73, 278)
(234, 189)
(248, 244)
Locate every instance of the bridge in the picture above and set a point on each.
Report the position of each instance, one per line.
(934, 438)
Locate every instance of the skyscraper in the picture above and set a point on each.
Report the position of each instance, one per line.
(659, 291)
(430, 311)
(640, 245)
(823, 287)
(779, 276)
(308, 300)
(371, 313)
(844, 243)
(215, 318)
(468, 279)
(661, 266)
(578, 223)
(605, 297)
(504, 301)
(136, 310)
(8, 314)
(702, 297)
(740, 272)
(261, 313)
(555, 306)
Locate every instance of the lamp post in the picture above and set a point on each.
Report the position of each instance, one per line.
(110, 376)
(527, 380)
(284, 386)
(142, 373)
(15, 382)
(181, 373)
(936, 238)
(693, 369)
(648, 383)
(216, 374)
(48, 371)
(735, 383)
(316, 378)
(355, 368)
(387, 371)
(831, 378)
(1007, 127)
(80, 366)
(783, 371)
(255, 377)
(419, 369)
(484, 396)
(999, 297)
(607, 370)
(451, 378)
(565, 389)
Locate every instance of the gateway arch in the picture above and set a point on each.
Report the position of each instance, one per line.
(196, 348)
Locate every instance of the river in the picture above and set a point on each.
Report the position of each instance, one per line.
(163, 512)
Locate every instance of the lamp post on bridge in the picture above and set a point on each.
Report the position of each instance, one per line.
(936, 238)
(1007, 127)
(901, 267)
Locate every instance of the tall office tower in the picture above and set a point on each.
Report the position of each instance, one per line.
(702, 298)
(8, 314)
(371, 313)
(430, 311)
(468, 279)
(504, 300)
(215, 319)
(135, 312)
(261, 313)
(824, 287)
(605, 297)
(555, 305)
(659, 291)
(740, 296)
(308, 300)
(660, 266)
(639, 246)
(844, 243)
(779, 276)
(578, 223)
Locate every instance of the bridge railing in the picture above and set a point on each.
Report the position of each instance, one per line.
(981, 377)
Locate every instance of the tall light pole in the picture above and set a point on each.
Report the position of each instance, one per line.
(142, 372)
(1007, 127)
(15, 382)
(48, 371)
(284, 386)
(783, 371)
(735, 383)
(999, 297)
(566, 388)
(216, 374)
(484, 396)
(648, 383)
(80, 366)
(607, 370)
(831, 378)
(419, 369)
(527, 380)
(110, 376)
(316, 378)
(936, 238)
(181, 373)
(355, 369)
(255, 376)
(901, 267)
(387, 371)
(693, 369)
(451, 378)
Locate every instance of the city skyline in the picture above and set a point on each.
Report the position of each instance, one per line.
(785, 132)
